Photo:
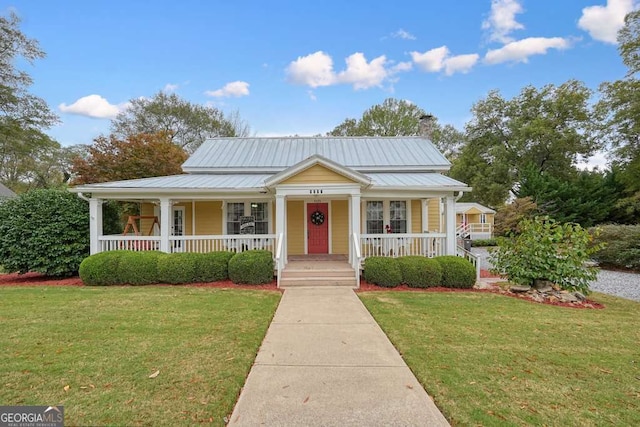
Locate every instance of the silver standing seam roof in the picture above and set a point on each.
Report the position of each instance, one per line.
(5, 192)
(275, 154)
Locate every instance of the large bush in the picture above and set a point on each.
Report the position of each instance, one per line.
(457, 272)
(420, 272)
(619, 246)
(177, 268)
(212, 266)
(46, 231)
(547, 250)
(382, 271)
(139, 268)
(253, 267)
(102, 269)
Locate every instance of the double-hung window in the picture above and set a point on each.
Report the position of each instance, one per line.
(258, 210)
(383, 215)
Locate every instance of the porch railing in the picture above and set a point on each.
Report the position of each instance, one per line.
(357, 256)
(129, 243)
(399, 244)
(475, 230)
(472, 258)
(209, 243)
(278, 259)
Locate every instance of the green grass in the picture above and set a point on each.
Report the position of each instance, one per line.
(104, 343)
(492, 360)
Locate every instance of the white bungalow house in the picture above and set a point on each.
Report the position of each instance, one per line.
(342, 198)
(474, 220)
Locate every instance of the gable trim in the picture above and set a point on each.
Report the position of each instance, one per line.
(316, 159)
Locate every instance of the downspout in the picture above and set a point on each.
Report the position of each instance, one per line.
(82, 196)
(459, 196)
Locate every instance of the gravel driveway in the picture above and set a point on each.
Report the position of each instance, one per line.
(618, 283)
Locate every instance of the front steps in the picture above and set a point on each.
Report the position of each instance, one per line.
(299, 273)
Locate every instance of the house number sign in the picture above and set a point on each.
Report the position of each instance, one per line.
(315, 191)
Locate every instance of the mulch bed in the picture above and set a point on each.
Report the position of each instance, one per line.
(37, 279)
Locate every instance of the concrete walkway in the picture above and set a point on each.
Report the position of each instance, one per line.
(326, 362)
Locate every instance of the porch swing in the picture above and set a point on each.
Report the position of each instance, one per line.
(132, 225)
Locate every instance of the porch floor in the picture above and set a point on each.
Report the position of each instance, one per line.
(318, 270)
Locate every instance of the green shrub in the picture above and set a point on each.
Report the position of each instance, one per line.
(382, 271)
(484, 242)
(547, 250)
(457, 272)
(177, 268)
(102, 269)
(420, 272)
(253, 267)
(619, 246)
(139, 268)
(46, 231)
(212, 266)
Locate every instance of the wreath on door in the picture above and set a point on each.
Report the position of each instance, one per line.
(317, 218)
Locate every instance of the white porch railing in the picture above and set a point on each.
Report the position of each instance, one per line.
(472, 258)
(399, 244)
(129, 243)
(278, 259)
(475, 230)
(356, 259)
(211, 243)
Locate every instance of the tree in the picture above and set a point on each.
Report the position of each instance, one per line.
(509, 216)
(400, 118)
(137, 156)
(23, 116)
(629, 41)
(46, 231)
(549, 129)
(187, 125)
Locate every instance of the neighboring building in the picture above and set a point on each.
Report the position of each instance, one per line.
(294, 196)
(474, 220)
(5, 192)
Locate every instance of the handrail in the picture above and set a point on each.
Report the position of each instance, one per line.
(278, 260)
(357, 256)
(473, 258)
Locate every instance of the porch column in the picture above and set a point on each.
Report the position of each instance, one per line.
(165, 224)
(95, 225)
(281, 211)
(450, 224)
(425, 215)
(355, 222)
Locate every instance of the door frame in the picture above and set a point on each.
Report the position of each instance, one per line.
(306, 222)
(177, 246)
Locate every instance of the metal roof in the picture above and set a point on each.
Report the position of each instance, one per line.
(465, 206)
(274, 154)
(257, 182)
(415, 180)
(5, 192)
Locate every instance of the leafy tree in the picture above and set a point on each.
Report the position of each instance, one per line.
(46, 231)
(137, 156)
(629, 41)
(23, 116)
(548, 128)
(509, 217)
(400, 118)
(547, 250)
(187, 125)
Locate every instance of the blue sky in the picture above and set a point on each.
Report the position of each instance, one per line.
(296, 67)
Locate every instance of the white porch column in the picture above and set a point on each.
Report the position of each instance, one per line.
(165, 224)
(281, 211)
(450, 225)
(95, 225)
(354, 221)
(425, 215)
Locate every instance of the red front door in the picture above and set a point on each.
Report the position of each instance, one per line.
(318, 228)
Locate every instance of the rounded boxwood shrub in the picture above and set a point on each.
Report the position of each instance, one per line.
(139, 268)
(382, 271)
(212, 266)
(177, 268)
(252, 267)
(420, 272)
(102, 269)
(457, 272)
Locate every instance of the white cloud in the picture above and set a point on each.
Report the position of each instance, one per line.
(93, 106)
(401, 67)
(402, 34)
(521, 50)
(439, 59)
(170, 87)
(233, 89)
(460, 63)
(316, 70)
(313, 70)
(603, 22)
(502, 20)
(312, 96)
(362, 74)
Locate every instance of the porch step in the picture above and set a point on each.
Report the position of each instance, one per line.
(318, 273)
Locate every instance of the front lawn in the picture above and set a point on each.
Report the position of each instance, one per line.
(493, 360)
(94, 349)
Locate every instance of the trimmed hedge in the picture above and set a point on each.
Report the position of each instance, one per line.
(457, 272)
(621, 246)
(149, 267)
(420, 272)
(382, 271)
(484, 242)
(253, 267)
